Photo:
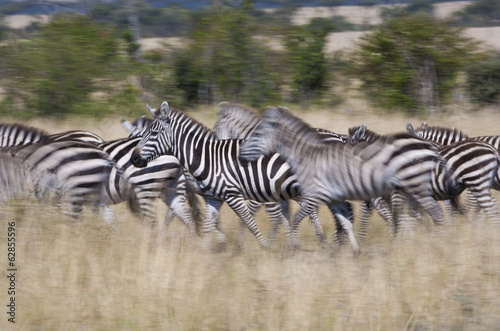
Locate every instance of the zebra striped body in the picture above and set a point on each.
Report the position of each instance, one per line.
(238, 122)
(479, 164)
(469, 164)
(158, 180)
(14, 134)
(446, 136)
(337, 172)
(139, 187)
(70, 173)
(216, 167)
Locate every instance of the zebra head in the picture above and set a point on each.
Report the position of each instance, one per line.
(154, 142)
(264, 139)
(137, 127)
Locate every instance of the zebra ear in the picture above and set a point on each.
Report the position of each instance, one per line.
(154, 112)
(410, 129)
(164, 109)
(360, 132)
(128, 126)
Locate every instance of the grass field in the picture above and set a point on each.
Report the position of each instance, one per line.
(88, 276)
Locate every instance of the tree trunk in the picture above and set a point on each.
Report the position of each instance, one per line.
(135, 29)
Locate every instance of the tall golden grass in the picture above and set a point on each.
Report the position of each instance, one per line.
(88, 276)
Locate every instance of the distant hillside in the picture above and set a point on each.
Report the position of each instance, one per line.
(43, 7)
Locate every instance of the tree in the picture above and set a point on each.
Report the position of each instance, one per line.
(410, 62)
(224, 61)
(308, 63)
(483, 79)
(58, 68)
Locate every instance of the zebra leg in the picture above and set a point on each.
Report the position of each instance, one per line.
(428, 203)
(344, 218)
(211, 224)
(238, 205)
(313, 216)
(277, 218)
(486, 202)
(253, 207)
(306, 208)
(366, 212)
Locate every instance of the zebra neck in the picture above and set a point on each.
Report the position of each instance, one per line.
(194, 148)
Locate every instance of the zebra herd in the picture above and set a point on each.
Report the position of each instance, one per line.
(249, 161)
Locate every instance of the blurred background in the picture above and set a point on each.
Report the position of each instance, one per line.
(60, 58)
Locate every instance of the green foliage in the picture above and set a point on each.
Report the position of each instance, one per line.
(483, 79)
(479, 13)
(224, 61)
(410, 62)
(173, 20)
(59, 68)
(308, 64)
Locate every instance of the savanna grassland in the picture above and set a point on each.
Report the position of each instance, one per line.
(89, 276)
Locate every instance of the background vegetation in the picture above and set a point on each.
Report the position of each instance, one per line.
(84, 61)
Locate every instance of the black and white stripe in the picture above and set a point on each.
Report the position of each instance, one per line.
(70, 173)
(333, 172)
(162, 179)
(238, 122)
(215, 165)
(469, 164)
(14, 134)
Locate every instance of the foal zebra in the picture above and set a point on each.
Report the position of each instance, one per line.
(218, 172)
(332, 172)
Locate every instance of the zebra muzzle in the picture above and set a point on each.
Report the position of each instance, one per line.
(137, 160)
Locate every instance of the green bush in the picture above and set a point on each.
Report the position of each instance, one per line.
(411, 62)
(61, 66)
(483, 80)
(223, 61)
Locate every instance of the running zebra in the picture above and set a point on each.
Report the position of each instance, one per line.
(139, 187)
(162, 179)
(332, 172)
(449, 137)
(70, 173)
(14, 134)
(446, 136)
(469, 164)
(238, 122)
(215, 166)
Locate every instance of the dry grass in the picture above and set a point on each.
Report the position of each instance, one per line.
(89, 276)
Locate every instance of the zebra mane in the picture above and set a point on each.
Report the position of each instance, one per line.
(361, 133)
(236, 121)
(175, 115)
(439, 134)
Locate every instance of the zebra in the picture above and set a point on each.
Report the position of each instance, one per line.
(238, 122)
(332, 172)
(70, 173)
(215, 165)
(162, 179)
(447, 136)
(139, 126)
(469, 164)
(139, 187)
(13, 134)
